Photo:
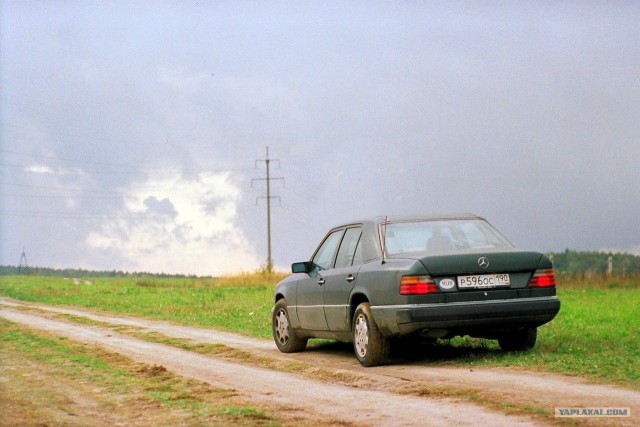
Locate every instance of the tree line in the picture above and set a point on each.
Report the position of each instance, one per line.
(6, 270)
(581, 262)
(569, 262)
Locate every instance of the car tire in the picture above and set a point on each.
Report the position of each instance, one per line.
(284, 335)
(519, 340)
(370, 346)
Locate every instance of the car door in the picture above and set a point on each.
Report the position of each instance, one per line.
(310, 290)
(340, 280)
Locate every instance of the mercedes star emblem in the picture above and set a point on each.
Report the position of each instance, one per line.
(483, 262)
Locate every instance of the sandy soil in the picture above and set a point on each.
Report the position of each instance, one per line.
(372, 401)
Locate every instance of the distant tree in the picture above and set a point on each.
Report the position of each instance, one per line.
(6, 270)
(569, 261)
(574, 262)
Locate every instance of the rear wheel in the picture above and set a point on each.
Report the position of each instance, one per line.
(370, 346)
(519, 340)
(285, 337)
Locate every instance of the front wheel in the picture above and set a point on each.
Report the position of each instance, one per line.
(519, 340)
(284, 336)
(370, 346)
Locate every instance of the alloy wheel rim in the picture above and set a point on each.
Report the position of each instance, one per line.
(362, 336)
(282, 327)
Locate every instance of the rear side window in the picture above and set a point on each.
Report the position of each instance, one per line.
(348, 252)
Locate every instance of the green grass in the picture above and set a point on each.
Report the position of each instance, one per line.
(33, 361)
(221, 303)
(596, 334)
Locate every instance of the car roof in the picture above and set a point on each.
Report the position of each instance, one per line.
(409, 218)
(375, 220)
(439, 217)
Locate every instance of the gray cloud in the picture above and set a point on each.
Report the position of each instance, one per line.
(525, 113)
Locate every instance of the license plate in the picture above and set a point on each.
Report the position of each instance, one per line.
(483, 281)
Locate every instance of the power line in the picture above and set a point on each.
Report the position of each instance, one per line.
(69, 215)
(46, 187)
(75, 135)
(75, 170)
(91, 215)
(142, 189)
(59, 196)
(63, 159)
(134, 168)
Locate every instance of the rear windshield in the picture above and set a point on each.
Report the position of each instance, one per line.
(440, 236)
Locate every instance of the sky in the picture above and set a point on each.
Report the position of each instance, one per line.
(133, 135)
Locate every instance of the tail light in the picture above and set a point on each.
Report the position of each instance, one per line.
(543, 278)
(417, 285)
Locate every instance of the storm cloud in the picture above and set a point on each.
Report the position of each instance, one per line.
(130, 130)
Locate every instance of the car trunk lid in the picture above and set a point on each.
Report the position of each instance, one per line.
(481, 262)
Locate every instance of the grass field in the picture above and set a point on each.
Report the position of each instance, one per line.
(596, 334)
(96, 387)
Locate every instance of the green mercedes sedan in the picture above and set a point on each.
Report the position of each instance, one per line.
(376, 281)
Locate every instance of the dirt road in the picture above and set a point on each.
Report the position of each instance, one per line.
(373, 399)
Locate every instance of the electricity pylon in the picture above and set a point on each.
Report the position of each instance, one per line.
(23, 262)
(268, 180)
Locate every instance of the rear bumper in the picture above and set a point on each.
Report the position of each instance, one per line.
(494, 314)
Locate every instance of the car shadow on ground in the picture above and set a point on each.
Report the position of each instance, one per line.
(426, 353)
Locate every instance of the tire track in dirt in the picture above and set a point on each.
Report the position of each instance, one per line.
(332, 401)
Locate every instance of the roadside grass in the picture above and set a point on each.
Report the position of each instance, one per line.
(598, 281)
(596, 334)
(487, 398)
(241, 304)
(96, 387)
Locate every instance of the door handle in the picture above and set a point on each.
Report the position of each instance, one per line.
(351, 278)
(321, 281)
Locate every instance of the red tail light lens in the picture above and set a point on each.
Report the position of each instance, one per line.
(417, 285)
(543, 278)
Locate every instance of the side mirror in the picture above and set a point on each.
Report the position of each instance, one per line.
(301, 267)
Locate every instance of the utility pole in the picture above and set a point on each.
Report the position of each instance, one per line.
(268, 180)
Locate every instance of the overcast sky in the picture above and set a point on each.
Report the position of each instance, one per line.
(130, 130)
